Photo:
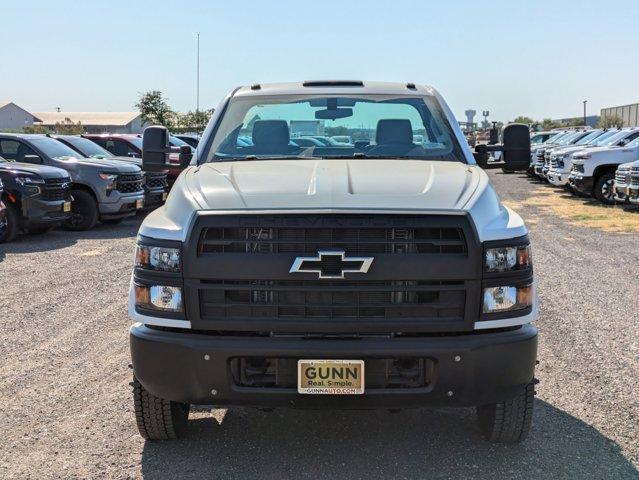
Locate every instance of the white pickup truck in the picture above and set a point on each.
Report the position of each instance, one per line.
(593, 170)
(561, 158)
(379, 274)
(627, 183)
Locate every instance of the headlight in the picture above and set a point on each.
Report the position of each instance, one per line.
(583, 156)
(165, 259)
(158, 297)
(507, 298)
(108, 176)
(504, 259)
(29, 180)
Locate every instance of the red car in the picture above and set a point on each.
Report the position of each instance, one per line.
(130, 145)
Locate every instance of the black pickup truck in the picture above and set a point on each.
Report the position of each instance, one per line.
(36, 198)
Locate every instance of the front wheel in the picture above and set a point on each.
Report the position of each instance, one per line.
(9, 224)
(604, 188)
(157, 418)
(508, 421)
(84, 211)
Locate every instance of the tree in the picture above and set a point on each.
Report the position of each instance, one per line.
(36, 129)
(155, 110)
(610, 121)
(548, 124)
(67, 127)
(192, 121)
(523, 119)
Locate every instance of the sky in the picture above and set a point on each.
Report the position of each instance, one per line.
(539, 59)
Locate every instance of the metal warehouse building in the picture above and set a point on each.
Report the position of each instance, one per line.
(629, 113)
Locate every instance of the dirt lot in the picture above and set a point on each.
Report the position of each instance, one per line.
(67, 410)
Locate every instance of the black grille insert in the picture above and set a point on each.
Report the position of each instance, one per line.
(353, 240)
(130, 183)
(153, 181)
(356, 300)
(56, 189)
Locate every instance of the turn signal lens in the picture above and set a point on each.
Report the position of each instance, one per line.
(504, 299)
(159, 297)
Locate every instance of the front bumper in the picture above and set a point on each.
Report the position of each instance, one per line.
(558, 179)
(470, 369)
(581, 183)
(125, 206)
(626, 193)
(35, 211)
(154, 198)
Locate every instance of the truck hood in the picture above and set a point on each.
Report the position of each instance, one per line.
(331, 184)
(111, 165)
(42, 170)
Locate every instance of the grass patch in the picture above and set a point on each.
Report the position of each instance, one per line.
(584, 212)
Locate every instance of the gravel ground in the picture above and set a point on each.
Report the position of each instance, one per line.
(67, 409)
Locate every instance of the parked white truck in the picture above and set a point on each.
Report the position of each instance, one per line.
(382, 274)
(561, 158)
(593, 170)
(626, 187)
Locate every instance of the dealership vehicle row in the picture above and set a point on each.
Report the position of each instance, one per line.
(599, 163)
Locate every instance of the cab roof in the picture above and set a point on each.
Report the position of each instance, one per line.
(335, 87)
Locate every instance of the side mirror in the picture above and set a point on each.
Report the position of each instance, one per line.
(516, 147)
(156, 150)
(32, 159)
(186, 154)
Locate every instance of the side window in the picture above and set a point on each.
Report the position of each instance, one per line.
(100, 141)
(631, 137)
(110, 146)
(120, 148)
(15, 150)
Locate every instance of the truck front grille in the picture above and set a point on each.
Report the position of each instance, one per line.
(424, 273)
(130, 183)
(354, 300)
(154, 181)
(622, 176)
(56, 189)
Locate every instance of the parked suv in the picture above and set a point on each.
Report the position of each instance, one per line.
(561, 158)
(35, 198)
(102, 189)
(130, 145)
(380, 275)
(155, 183)
(593, 170)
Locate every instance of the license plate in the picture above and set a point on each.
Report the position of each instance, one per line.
(66, 207)
(330, 377)
(139, 204)
(164, 195)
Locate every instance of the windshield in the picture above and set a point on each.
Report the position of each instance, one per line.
(53, 148)
(615, 139)
(604, 138)
(88, 148)
(557, 138)
(379, 126)
(588, 138)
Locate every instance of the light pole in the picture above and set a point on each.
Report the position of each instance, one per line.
(585, 101)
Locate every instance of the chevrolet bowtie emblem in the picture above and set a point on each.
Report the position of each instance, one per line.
(331, 264)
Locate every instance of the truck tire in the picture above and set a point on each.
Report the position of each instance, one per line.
(508, 421)
(9, 227)
(84, 211)
(157, 418)
(604, 191)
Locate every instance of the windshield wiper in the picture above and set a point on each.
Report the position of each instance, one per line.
(261, 157)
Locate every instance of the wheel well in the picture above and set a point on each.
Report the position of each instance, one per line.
(601, 169)
(86, 188)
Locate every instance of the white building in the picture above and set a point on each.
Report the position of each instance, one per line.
(95, 122)
(15, 118)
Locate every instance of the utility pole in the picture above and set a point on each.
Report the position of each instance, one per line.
(585, 101)
(197, 87)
